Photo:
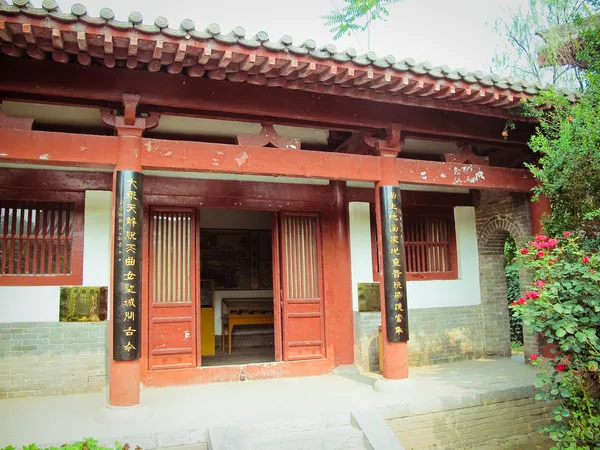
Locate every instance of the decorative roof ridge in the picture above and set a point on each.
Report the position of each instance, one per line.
(187, 30)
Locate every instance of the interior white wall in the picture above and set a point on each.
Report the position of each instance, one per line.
(41, 303)
(235, 219)
(463, 291)
(360, 247)
(421, 294)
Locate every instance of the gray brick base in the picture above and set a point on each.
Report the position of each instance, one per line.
(437, 335)
(52, 358)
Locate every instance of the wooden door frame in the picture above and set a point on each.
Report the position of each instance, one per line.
(314, 200)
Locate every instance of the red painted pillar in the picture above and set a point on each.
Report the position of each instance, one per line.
(344, 320)
(395, 354)
(538, 210)
(123, 376)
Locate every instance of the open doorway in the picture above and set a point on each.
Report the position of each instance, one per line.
(513, 291)
(236, 287)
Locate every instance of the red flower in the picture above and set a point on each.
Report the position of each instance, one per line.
(535, 295)
(539, 283)
(552, 242)
(585, 260)
(521, 301)
(540, 254)
(533, 357)
(541, 238)
(567, 234)
(514, 303)
(561, 367)
(524, 251)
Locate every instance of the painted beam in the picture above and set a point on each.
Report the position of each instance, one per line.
(158, 154)
(57, 149)
(81, 150)
(202, 97)
(54, 180)
(463, 175)
(414, 198)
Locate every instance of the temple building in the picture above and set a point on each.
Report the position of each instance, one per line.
(183, 205)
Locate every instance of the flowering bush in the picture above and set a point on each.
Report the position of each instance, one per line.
(563, 305)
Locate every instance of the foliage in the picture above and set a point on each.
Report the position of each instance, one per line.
(513, 285)
(564, 306)
(540, 28)
(85, 444)
(357, 15)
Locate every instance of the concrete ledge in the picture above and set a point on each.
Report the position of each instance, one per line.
(376, 430)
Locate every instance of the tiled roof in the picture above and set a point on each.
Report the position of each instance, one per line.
(238, 56)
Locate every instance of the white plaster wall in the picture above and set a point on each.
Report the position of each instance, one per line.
(360, 247)
(41, 303)
(421, 294)
(463, 291)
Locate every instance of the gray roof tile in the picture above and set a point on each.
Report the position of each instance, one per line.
(188, 30)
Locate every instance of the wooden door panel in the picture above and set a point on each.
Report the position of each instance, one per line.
(302, 287)
(172, 331)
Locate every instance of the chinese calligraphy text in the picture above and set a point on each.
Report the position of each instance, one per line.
(127, 270)
(394, 267)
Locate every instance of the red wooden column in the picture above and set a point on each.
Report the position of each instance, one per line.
(343, 322)
(124, 376)
(538, 210)
(395, 354)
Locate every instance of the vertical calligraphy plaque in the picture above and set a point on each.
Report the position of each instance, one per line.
(394, 274)
(127, 286)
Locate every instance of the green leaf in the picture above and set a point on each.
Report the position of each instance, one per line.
(561, 332)
(593, 366)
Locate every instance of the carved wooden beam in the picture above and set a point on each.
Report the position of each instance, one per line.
(129, 119)
(267, 136)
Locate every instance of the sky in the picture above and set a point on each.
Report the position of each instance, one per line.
(453, 32)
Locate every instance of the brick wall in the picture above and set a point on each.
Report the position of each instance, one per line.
(437, 335)
(52, 358)
(498, 215)
(465, 427)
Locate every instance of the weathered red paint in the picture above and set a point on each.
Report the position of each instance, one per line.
(414, 198)
(395, 354)
(57, 149)
(463, 175)
(44, 181)
(343, 320)
(124, 376)
(538, 211)
(161, 154)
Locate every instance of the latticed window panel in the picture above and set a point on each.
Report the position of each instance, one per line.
(36, 238)
(429, 244)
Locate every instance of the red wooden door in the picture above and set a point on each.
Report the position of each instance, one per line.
(302, 287)
(173, 293)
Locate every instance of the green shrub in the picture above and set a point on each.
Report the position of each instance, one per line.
(85, 444)
(564, 306)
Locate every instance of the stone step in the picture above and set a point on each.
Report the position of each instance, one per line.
(335, 438)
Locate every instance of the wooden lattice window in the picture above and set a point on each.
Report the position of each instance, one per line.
(41, 242)
(429, 244)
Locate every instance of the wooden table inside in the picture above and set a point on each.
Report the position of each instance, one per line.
(244, 311)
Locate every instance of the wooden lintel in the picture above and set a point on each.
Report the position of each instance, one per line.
(463, 175)
(57, 149)
(54, 180)
(414, 198)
